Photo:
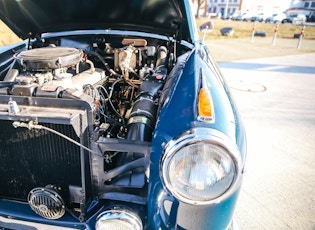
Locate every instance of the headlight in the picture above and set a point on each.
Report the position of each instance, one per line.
(118, 219)
(200, 167)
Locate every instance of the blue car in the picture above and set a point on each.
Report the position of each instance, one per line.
(113, 115)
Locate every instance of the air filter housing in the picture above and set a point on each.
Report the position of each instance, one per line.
(49, 58)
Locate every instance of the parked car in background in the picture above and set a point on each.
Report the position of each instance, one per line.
(243, 17)
(276, 18)
(228, 16)
(310, 18)
(232, 15)
(295, 19)
(300, 19)
(114, 115)
(236, 17)
(261, 17)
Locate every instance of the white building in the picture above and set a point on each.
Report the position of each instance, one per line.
(305, 7)
(265, 6)
(223, 7)
(228, 7)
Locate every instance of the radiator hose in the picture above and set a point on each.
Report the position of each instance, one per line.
(143, 115)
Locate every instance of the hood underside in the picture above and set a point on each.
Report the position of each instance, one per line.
(164, 17)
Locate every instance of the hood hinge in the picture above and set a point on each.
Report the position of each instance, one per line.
(31, 36)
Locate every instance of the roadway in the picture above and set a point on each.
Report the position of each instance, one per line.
(276, 98)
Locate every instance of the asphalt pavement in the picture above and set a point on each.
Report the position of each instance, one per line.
(276, 98)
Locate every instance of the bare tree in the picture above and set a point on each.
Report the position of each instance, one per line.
(205, 8)
(199, 3)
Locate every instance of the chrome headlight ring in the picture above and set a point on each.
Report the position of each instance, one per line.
(118, 218)
(203, 166)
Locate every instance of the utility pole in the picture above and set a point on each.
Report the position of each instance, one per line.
(226, 8)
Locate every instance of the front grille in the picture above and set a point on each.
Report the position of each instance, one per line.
(36, 158)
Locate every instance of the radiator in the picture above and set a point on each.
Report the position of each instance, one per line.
(36, 158)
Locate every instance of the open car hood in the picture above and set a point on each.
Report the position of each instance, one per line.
(34, 17)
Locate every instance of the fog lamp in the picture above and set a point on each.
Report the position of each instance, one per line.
(118, 219)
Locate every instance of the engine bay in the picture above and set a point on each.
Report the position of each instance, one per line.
(95, 102)
(122, 79)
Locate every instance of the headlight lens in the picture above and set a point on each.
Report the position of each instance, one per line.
(199, 171)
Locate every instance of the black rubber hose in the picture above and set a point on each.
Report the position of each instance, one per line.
(110, 70)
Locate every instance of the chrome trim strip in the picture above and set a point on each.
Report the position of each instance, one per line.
(119, 214)
(233, 226)
(141, 119)
(13, 224)
(206, 119)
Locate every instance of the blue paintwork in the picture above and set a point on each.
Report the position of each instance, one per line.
(176, 117)
(22, 211)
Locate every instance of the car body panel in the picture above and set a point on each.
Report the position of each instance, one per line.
(295, 19)
(276, 18)
(261, 17)
(161, 209)
(37, 17)
(243, 17)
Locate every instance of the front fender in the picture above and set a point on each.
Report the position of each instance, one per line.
(178, 115)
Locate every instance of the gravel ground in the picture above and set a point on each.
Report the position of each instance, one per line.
(225, 50)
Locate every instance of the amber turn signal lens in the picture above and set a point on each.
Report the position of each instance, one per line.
(205, 103)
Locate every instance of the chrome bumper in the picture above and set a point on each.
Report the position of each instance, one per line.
(13, 224)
